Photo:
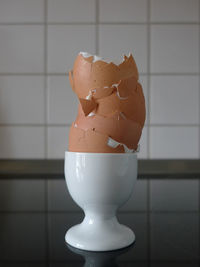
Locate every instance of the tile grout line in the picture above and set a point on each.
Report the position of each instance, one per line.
(199, 78)
(45, 129)
(64, 74)
(94, 23)
(148, 78)
(45, 79)
(148, 130)
(97, 28)
(199, 133)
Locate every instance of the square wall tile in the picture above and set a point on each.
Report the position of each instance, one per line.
(174, 195)
(117, 40)
(128, 11)
(71, 11)
(174, 142)
(138, 199)
(174, 99)
(21, 142)
(62, 101)
(59, 198)
(17, 11)
(142, 154)
(22, 237)
(57, 142)
(22, 48)
(174, 48)
(174, 236)
(64, 44)
(21, 99)
(22, 195)
(174, 10)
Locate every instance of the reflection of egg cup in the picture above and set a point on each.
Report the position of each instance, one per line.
(100, 183)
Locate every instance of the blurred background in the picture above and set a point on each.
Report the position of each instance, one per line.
(39, 40)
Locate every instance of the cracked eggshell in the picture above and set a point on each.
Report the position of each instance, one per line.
(102, 92)
(88, 75)
(133, 107)
(90, 141)
(120, 129)
(127, 86)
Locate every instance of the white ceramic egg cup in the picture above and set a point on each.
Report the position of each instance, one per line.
(100, 183)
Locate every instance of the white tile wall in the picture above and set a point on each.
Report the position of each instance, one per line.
(115, 11)
(39, 40)
(65, 42)
(21, 142)
(71, 11)
(174, 10)
(62, 101)
(143, 144)
(116, 40)
(174, 142)
(57, 142)
(174, 99)
(18, 11)
(22, 99)
(174, 48)
(21, 48)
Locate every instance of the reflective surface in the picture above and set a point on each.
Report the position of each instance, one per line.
(37, 239)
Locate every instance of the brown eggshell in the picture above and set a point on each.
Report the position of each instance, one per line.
(129, 68)
(121, 130)
(90, 141)
(102, 92)
(87, 105)
(133, 107)
(88, 75)
(108, 105)
(71, 79)
(116, 101)
(127, 86)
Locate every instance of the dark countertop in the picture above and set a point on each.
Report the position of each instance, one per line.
(37, 239)
(51, 169)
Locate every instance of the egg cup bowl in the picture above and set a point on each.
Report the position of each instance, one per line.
(100, 183)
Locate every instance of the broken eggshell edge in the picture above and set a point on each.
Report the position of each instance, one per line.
(107, 130)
